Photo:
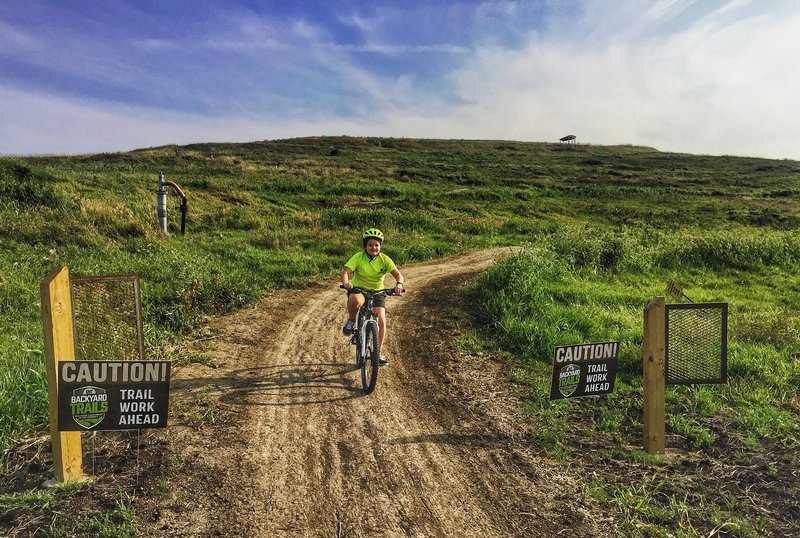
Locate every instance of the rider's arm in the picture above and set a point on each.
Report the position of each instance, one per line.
(398, 282)
(347, 274)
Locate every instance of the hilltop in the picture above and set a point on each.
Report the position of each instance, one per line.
(592, 233)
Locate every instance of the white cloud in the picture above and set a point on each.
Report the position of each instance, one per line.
(32, 122)
(157, 45)
(715, 86)
(396, 50)
(14, 39)
(679, 76)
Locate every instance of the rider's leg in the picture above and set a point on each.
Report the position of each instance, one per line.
(354, 302)
(381, 324)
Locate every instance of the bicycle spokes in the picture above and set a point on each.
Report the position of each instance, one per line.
(370, 357)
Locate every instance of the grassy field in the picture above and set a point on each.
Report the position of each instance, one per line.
(599, 229)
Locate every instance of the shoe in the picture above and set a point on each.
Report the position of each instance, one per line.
(382, 361)
(347, 330)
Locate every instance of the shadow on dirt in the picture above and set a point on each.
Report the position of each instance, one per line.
(478, 441)
(283, 384)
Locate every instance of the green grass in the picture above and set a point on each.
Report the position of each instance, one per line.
(23, 395)
(562, 292)
(29, 499)
(116, 522)
(600, 230)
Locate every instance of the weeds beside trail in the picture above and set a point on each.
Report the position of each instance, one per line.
(737, 444)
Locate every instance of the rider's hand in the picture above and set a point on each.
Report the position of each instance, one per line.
(347, 285)
(398, 289)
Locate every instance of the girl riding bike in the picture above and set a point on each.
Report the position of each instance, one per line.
(367, 269)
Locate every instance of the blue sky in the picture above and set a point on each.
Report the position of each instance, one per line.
(706, 76)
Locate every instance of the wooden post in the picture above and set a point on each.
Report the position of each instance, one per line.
(59, 345)
(654, 432)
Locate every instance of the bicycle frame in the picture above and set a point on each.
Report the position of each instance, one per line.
(365, 312)
(365, 316)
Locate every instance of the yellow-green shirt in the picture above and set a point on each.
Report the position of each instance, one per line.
(369, 274)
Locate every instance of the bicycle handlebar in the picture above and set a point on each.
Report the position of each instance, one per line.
(387, 291)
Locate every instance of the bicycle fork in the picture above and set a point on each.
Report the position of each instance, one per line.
(362, 336)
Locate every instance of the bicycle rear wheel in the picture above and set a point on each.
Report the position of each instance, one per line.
(369, 366)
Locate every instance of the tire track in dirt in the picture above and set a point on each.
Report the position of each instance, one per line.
(303, 452)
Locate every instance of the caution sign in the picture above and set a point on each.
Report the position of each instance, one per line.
(584, 370)
(112, 395)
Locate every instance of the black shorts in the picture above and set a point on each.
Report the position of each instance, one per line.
(378, 300)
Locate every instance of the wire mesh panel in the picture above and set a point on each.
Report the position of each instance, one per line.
(107, 313)
(696, 347)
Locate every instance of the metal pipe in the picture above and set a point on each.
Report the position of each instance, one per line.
(161, 201)
(184, 210)
(184, 205)
(175, 186)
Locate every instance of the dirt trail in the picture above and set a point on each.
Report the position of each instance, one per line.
(288, 445)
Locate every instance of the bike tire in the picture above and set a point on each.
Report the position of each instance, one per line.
(369, 367)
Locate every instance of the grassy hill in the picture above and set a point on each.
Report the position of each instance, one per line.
(601, 230)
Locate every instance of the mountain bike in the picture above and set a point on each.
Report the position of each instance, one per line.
(365, 337)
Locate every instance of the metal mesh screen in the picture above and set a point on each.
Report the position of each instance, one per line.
(107, 316)
(696, 343)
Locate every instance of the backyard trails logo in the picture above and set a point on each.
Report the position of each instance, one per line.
(89, 406)
(568, 380)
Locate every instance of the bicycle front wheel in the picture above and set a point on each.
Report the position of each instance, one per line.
(369, 366)
(358, 339)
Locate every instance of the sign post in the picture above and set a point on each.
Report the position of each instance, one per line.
(684, 344)
(59, 346)
(654, 428)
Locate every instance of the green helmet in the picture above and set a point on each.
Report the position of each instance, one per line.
(372, 233)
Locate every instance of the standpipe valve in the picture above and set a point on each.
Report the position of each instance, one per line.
(161, 201)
